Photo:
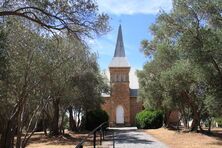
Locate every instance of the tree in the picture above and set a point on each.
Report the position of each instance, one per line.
(186, 62)
(36, 67)
(22, 75)
(76, 84)
(88, 86)
(79, 17)
(39, 81)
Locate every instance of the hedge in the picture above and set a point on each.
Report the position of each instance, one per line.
(148, 119)
(94, 118)
(219, 121)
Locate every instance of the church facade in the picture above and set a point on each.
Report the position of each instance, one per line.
(122, 105)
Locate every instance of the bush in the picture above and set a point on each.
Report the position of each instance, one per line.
(94, 118)
(149, 119)
(219, 121)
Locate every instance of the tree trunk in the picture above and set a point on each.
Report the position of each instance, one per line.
(209, 126)
(78, 118)
(72, 123)
(216, 66)
(55, 120)
(20, 125)
(61, 128)
(166, 119)
(44, 124)
(194, 125)
(194, 108)
(184, 117)
(7, 137)
(185, 122)
(200, 126)
(196, 120)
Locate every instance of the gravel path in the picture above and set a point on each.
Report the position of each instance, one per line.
(132, 138)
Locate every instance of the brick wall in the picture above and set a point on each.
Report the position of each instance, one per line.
(120, 95)
(135, 107)
(131, 108)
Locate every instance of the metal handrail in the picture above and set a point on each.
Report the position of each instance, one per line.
(93, 132)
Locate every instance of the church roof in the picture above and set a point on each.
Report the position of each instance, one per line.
(119, 51)
(133, 92)
(119, 62)
(119, 58)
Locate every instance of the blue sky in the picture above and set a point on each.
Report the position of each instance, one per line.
(135, 16)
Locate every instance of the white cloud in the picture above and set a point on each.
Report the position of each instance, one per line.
(130, 7)
(103, 45)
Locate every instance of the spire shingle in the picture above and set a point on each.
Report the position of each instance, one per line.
(119, 51)
(119, 58)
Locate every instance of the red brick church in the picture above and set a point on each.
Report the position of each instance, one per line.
(121, 105)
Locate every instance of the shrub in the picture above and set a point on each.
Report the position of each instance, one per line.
(94, 118)
(219, 121)
(149, 119)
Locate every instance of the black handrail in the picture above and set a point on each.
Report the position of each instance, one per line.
(93, 132)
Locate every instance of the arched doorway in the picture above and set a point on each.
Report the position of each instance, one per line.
(119, 115)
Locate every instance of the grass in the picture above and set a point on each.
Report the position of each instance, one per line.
(181, 139)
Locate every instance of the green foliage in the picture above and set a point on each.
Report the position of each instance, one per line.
(3, 54)
(219, 121)
(66, 122)
(94, 118)
(54, 16)
(147, 119)
(41, 76)
(185, 71)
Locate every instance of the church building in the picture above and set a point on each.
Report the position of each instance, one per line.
(121, 105)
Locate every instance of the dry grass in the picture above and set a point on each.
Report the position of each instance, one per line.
(69, 140)
(188, 140)
(171, 138)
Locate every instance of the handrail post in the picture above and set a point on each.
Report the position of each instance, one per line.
(103, 132)
(94, 139)
(100, 129)
(113, 139)
(100, 133)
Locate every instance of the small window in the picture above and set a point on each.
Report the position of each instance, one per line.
(124, 77)
(119, 77)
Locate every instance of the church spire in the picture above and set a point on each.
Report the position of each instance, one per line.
(119, 51)
(119, 58)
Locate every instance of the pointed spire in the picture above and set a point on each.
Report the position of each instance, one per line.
(119, 51)
(119, 58)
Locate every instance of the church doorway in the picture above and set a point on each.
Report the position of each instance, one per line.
(119, 115)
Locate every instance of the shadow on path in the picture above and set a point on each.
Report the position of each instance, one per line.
(131, 138)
